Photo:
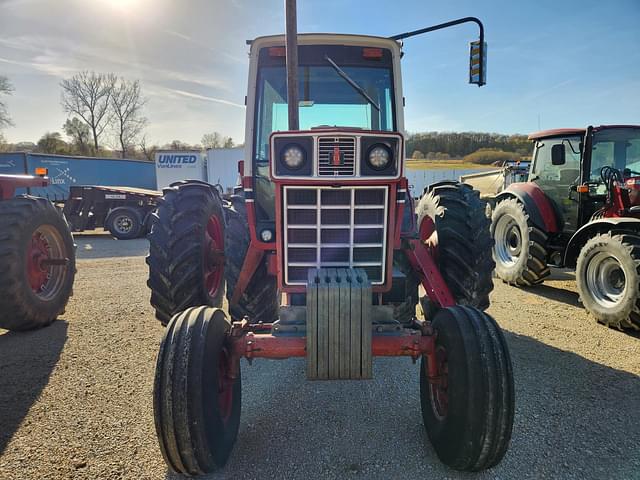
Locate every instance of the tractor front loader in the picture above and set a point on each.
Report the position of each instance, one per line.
(37, 256)
(323, 252)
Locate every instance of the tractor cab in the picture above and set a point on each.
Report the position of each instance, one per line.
(588, 172)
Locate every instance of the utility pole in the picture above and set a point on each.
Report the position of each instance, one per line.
(291, 41)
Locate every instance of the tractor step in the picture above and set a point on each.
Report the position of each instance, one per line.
(338, 324)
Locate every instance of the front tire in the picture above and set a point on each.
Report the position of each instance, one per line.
(468, 408)
(186, 250)
(37, 263)
(608, 278)
(196, 403)
(520, 249)
(463, 240)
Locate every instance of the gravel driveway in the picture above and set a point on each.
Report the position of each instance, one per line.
(75, 398)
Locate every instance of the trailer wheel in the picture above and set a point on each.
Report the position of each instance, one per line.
(608, 276)
(454, 212)
(124, 223)
(261, 299)
(37, 263)
(186, 250)
(196, 397)
(468, 405)
(520, 249)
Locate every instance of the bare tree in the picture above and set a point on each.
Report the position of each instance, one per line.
(79, 132)
(87, 95)
(216, 140)
(126, 104)
(149, 151)
(5, 89)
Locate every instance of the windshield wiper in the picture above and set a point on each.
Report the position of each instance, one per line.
(352, 82)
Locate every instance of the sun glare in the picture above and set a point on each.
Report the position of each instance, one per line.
(122, 5)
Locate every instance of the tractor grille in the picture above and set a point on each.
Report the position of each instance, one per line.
(336, 156)
(334, 227)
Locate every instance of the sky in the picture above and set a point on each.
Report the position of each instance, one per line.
(560, 63)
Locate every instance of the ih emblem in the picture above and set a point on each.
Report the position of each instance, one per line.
(337, 158)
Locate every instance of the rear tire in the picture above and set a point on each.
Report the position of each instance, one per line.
(32, 294)
(608, 278)
(261, 299)
(469, 416)
(186, 262)
(196, 405)
(520, 249)
(124, 223)
(463, 239)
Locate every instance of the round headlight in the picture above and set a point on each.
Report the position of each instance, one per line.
(293, 156)
(266, 235)
(379, 157)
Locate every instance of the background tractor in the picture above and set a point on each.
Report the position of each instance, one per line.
(37, 256)
(323, 251)
(580, 209)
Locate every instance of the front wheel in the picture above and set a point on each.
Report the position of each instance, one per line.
(520, 248)
(607, 277)
(196, 397)
(468, 404)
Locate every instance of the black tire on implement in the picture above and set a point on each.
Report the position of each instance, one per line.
(24, 220)
(124, 223)
(196, 404)
(469, 417)
(464, 240)
(261, 299)
(607, 264)
(178, 246)
(520, 249)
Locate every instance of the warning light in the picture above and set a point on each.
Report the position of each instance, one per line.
(582, 189)
(372, 53)
(42, 172)
(277, 52)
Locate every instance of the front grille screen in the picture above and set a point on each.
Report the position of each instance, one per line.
(336, 156)
(334, 227)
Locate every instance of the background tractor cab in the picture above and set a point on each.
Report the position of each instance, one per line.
(582, 183)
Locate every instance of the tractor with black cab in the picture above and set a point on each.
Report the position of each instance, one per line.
(322, 251)
(580, 209)
(37, 256)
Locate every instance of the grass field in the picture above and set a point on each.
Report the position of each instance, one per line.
(443, 165)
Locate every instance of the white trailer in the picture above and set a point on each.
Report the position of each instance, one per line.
(222, 167)
(173, 166)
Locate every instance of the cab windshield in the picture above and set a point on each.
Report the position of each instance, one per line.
(618, 148)
(326, 99)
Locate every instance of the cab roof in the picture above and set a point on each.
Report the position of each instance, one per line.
(327, 38)
(559, 132)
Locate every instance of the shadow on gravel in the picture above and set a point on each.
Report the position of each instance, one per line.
(104, 246)
(575, 419)
(556, 294)
(26, 362)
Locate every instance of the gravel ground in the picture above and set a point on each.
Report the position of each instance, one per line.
(75, 398)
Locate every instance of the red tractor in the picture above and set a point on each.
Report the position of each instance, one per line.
(580, 209)
(322, 251)
(37, 256)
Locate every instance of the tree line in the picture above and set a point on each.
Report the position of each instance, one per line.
(447, 145)
(105, 117)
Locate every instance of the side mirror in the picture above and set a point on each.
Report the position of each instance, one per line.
(558, 154)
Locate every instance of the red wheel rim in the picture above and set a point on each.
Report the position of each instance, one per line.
(439, 386)
(213, 257)
(46, 262)
(225, 386)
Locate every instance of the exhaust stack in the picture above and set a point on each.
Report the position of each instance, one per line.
(291, 40)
